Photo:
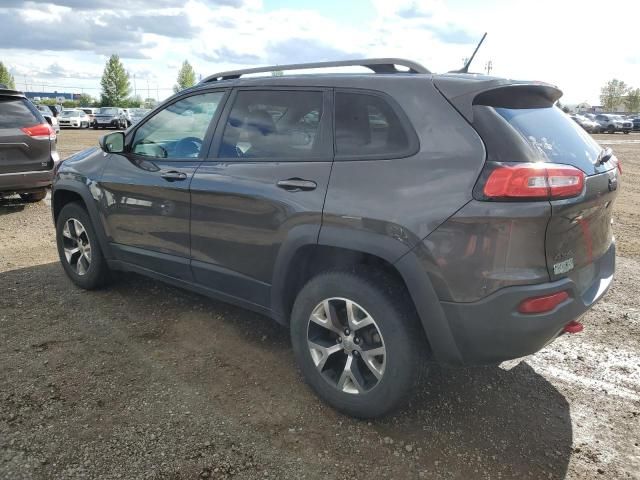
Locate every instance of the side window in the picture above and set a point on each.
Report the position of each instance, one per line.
(274, 124)
(177, 131)
(367, 125)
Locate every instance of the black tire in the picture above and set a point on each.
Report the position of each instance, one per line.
(390, 306)
(95, 126)
(97, 274)
(33, 197)
(626, 132)
(611, 129)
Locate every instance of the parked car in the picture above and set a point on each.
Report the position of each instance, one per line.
(127, 116)
(613, 123)
(110, 117)
(138, 114)
(49, 117)
(384, 218)
(74, 118)
(91, 113)
(589, 125)
(28, 152)
(636, 124)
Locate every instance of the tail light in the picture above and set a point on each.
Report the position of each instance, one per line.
(531, 181)
(42, 131)
(542, 304)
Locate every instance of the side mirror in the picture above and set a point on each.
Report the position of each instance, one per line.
(112, 143)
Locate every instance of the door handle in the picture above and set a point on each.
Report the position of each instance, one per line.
(173, 176)
(297, 184)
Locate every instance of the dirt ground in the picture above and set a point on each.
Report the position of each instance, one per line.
(142, 380)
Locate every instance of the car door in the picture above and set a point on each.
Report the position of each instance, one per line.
(262, 185)
(146, 188)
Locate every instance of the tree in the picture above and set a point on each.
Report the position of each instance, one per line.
(186, 77)
(115, 83)
(6, 77)
(85, 100)
(611, 94)
(632, 102)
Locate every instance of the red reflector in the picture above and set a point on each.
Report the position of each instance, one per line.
(573, 327)
(542, 304)
(534, 181)
(42, 131)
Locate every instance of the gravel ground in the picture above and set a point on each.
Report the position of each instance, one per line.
(142, 380)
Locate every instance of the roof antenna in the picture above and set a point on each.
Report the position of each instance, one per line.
(465, 69)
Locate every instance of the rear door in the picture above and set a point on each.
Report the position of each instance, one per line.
(579, 231)
(263, 183)
(20, 151)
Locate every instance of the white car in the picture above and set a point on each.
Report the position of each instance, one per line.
(74, 118)
(614, 123)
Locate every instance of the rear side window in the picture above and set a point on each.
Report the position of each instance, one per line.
(366, 125)
(273, 124)
(553, 135)
(18, 113)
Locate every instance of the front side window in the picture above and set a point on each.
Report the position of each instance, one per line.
(274, 124)
(367, 125)
(178, 130)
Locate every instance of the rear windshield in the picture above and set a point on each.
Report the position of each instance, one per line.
(18, 113)
(554, 135)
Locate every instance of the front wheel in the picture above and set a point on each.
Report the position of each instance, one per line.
(79, 249)
(355, 338)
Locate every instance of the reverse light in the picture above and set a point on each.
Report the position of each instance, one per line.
(42, 131)
(542, 304)
(534, 182)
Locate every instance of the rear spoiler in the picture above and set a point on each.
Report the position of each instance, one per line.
(465, 91)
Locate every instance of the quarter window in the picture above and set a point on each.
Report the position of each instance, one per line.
(274, 124)
(179, 130)
(367, 125)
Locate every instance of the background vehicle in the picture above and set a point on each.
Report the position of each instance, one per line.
(91, 113)
(636, 124)
(27, 148)
(589, 125)
(49, 117)
(110, 117)
(613, 123)
(138, 114)
(75, 118)
(367, 212)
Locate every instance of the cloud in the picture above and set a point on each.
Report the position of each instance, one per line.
(109, 4)
(228, 55)
(300, 50)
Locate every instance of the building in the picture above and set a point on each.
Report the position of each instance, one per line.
(58, 96)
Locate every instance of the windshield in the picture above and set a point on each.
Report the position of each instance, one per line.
(70, 113)
(109, 111)
(554, 136)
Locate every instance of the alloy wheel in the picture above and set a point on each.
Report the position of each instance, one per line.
(76, 245)
(346, 345)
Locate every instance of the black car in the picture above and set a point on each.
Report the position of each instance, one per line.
(27, 148)
(385, 218)
(636, 124)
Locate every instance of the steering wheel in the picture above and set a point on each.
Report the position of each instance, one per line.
(188, 147)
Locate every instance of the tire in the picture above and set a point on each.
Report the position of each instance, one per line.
(33, 197)
(375, 296)
(611, 129)
(95, 126)
(626, 132)
(86, 272)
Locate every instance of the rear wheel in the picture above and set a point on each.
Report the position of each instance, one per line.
(33, 197)
(626, 132)
(355, 340)
(79, 249)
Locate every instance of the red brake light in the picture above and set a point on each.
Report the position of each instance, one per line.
(534, 181)
(542, 304)
(42, 131)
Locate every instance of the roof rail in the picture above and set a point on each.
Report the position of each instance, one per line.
(377, 65)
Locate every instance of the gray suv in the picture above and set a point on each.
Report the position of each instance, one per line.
(27, 148)
(385, 218)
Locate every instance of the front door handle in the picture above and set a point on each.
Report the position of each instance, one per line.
(173, 176)
(297, 184)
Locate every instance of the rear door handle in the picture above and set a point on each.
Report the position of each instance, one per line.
(173, 176)
(297, 184)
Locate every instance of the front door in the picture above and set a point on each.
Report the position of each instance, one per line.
(263, 183)
(146, 189)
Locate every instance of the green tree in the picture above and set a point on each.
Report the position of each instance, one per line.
(85, 100)
(632, 101)
(611, 94)
(115, 83)
(6, 77)
(186, 77)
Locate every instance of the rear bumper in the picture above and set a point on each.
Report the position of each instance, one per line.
(492, 330)
(25, 181)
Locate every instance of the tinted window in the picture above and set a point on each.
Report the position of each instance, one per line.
(17, 113)
(553, 135)
(178, 130)
(367, 125)
(274, 124)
